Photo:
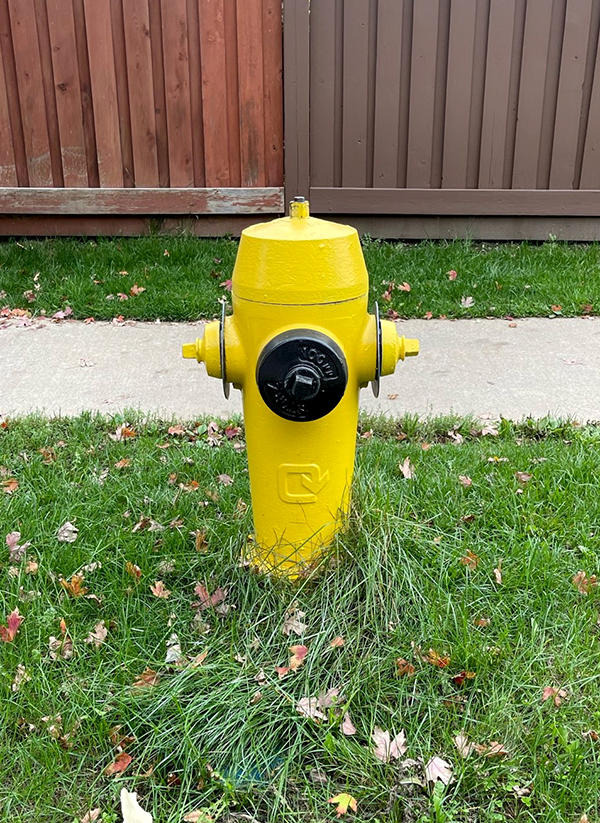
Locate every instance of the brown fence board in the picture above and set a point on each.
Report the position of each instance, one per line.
(387, 92)
(141, 91)
(8, 171)
(570, 94)
(422, 93)
(233, 108)
(104, 92)
(31, 92)
(296, 57)
(468, 202)
(118, 31)
(355, 91)
(496, 100)
(68, 92)
(45, 62)
(177, 93)
(531, 93)
(323, 59)
(458, 97)
(141, 201)
(251, 91)
(158, 85)
(273, 99)
(214, 93)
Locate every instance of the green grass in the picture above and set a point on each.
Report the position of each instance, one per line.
(399, 582)
(185, 284)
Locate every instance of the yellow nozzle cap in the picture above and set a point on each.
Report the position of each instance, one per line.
(191, 350)
(409, 347)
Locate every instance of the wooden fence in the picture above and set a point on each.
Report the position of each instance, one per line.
(444, 107)
(140, 106)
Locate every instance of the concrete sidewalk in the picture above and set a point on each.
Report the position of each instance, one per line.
(533, 367)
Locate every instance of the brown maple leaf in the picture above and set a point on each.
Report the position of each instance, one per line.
(208, 600)
(119, 765)
(74, 586)
(9, 632)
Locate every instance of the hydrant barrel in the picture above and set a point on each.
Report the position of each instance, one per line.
(300, 344)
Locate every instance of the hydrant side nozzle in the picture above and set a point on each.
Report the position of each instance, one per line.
(407, 347)
(193, 351)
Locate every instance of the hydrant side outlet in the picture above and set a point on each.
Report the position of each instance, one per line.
(299, 344)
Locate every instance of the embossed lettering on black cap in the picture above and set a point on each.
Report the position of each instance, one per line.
(302, 374)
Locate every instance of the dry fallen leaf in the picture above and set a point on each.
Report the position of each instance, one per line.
(465, 481)
(208, 600)
(133, 570)
(385, 747)
(173, 655)
(403, 287)
(146, 679)
(67, 533)
(16, 551)
(470, 560)
(460, 678)
(131, 810)
(558, 695)
(452, 275)
(21, 676)
(498, 573)
(204, 816)
(337, 642)
(463, 745)
(309, 707)
(344, 802)
(523, 477)
(91, 816)
(493, 749)
(60, 648)
(9, 486)
(467, 302)
(438, 769)
(436, 659)
(583, 583)
(159, 590)
(404, 668)
(123, 433)
(406, 469)
(298, 655)
(123, 463)
(348, 727)
(9, 632)
(74, 586)
(225, 479)
(98, 636)
(135, 290)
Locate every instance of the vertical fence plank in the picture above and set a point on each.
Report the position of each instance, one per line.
(158, 85)
(590, 167)
(296, 64)
(31, 91)
(195, 91)
(458, 96)
(177, 92)
(45, 59)
(387, 93)
(141, 92)
(104, 92)
(496, 94)
(531, 93)
(85, 84)
(233, 101)
(273, 92)
(570, 94)
(422, 93)
(68, 92)
(124, 109)
(214, 92)
(355, 93)
(251, 90)
(7, 57)
(8, 170)
(323, 58)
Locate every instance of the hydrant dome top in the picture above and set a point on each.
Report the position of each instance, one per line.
(303, 260)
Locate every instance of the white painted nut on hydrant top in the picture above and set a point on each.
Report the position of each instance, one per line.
(299, 345)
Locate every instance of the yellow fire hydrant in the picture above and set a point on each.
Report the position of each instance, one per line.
(299, 344)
